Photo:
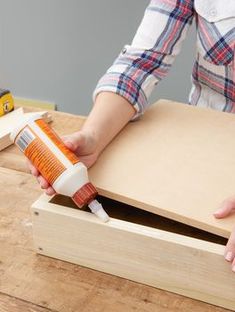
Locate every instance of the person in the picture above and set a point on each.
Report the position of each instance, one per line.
(122, 93)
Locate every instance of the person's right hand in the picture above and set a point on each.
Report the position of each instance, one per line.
(83, 143)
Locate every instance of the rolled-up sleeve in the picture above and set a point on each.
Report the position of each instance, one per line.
(141, 65)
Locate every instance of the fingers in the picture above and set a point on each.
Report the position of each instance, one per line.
(50, 191)
(227, 208)
(74, 141)
(230, 250)
(43, 182)
(233, 265)
(32, 169)
(45, 186)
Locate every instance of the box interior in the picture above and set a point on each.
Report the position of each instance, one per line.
(135, 215)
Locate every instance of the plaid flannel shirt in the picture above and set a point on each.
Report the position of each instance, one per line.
(141, 65)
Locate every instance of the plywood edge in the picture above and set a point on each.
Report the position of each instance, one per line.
(43, 204)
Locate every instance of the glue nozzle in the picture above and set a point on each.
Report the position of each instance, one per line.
(98, 210)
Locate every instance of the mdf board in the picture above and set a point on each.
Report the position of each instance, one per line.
(176, 161)
(132, 246)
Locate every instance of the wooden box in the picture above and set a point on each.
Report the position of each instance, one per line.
(160, 181)
(136, 245)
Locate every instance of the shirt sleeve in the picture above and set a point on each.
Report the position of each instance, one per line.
(141, 65)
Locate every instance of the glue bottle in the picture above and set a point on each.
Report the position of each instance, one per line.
(56, 163)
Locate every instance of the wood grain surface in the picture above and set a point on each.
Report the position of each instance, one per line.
(61, 286)
(12, 304)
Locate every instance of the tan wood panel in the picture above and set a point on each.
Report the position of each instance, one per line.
(58, 285)
(177, 161)
(12, 304)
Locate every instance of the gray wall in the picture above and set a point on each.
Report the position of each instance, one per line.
(56, 50)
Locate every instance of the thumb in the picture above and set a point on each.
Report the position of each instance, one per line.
(227, 208)
(73, 141)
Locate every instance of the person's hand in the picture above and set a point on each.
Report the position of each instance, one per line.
(227, 208)
(83, 143)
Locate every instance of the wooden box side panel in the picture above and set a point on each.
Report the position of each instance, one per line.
(165, 260)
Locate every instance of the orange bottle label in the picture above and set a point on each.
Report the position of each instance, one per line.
(57, 141)
(40, 154)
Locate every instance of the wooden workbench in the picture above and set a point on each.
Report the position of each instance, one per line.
(30, 282)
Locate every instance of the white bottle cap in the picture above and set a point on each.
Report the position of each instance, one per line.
(98, 210)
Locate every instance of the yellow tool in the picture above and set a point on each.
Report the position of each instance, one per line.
(6, 102)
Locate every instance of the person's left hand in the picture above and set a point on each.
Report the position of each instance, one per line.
(227, 208)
